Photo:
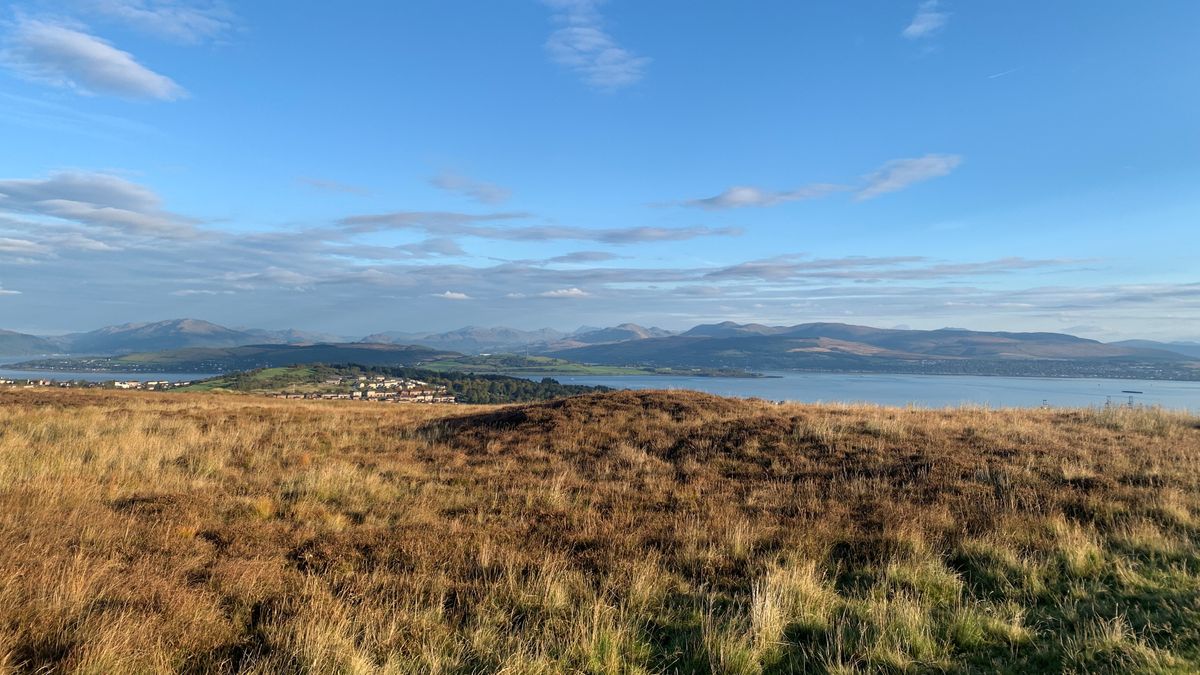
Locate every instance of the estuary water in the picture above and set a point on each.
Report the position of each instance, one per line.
(7, 373)
(933, 391)
(62, 375)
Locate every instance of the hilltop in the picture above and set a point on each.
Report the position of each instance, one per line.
(316, 380)
(171, 334)
(22, 344)
(623, 532)
(221, 360)
(725, 347)
(848, 348)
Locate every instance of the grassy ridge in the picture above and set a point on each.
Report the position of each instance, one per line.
(465, 387)
(285, 378)
(623, 532)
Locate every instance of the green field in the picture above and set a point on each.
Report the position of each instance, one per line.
(299, 379)
(466, 387)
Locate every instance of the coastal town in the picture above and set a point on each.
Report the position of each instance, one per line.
(146, 385)
(376, 388)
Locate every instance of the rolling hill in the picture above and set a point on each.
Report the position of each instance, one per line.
(159, 335)
(21, 344)
(1191, 349)
(623, 532)
(844, 347)
(471, 339)
(247, 357)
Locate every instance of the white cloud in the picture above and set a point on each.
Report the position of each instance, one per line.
(480, 191)
(199, 291)
(24, 246)
(927, 22)
(274, 276)
(80, 242)
(583, 45)
(564, 293)
(450, 224)
(95, 200)
(582, 257)
(65, 57)
(900, 173)
(740, 196)
(452, 295)
(177, 20)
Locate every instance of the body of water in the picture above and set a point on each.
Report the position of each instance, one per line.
(60, 376)
(921, 390)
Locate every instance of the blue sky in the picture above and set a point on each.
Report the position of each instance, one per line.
(432, 164)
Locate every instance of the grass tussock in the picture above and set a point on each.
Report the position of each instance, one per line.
(618, 533)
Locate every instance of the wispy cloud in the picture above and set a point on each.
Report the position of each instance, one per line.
(564, 293)
(450, 224)
(741, 196)
(428, 248)
(185, 292)
(94, 200)
(323, 185)
(480, 191)
(452, 295)
(583, 257)
(583, 45)
(1002, 73)
(22, 246)
(900, 173)
(177, 20)
(328, 272)
(69, 58)
(793, 267)
(928, 21)
(37, 113)
(894, 175)
(441, 222)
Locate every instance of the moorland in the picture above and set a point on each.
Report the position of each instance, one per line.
(604, 533)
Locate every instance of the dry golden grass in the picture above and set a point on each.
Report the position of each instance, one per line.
(618, 533)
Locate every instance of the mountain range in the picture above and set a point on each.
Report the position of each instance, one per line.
(849, 348)
(478, 340)
(246, 357)
(821, 346)
(153, 336)
(472, 339)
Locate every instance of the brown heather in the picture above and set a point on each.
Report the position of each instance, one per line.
(627, 532)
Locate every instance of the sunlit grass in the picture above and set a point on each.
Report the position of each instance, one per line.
(623, 533)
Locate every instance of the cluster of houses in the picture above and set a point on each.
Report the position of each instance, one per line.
(25, 384)
(150, 385)
(80, 384)
(379, 388)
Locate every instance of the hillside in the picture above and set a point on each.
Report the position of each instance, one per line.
(175, 334)
(477, 340)
(20, 344)
(626, 532)
(156, 336)
(1189, 349)
(464, 387)
(212, 360)
(842, 347)
(471, 339)
(620, 333)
